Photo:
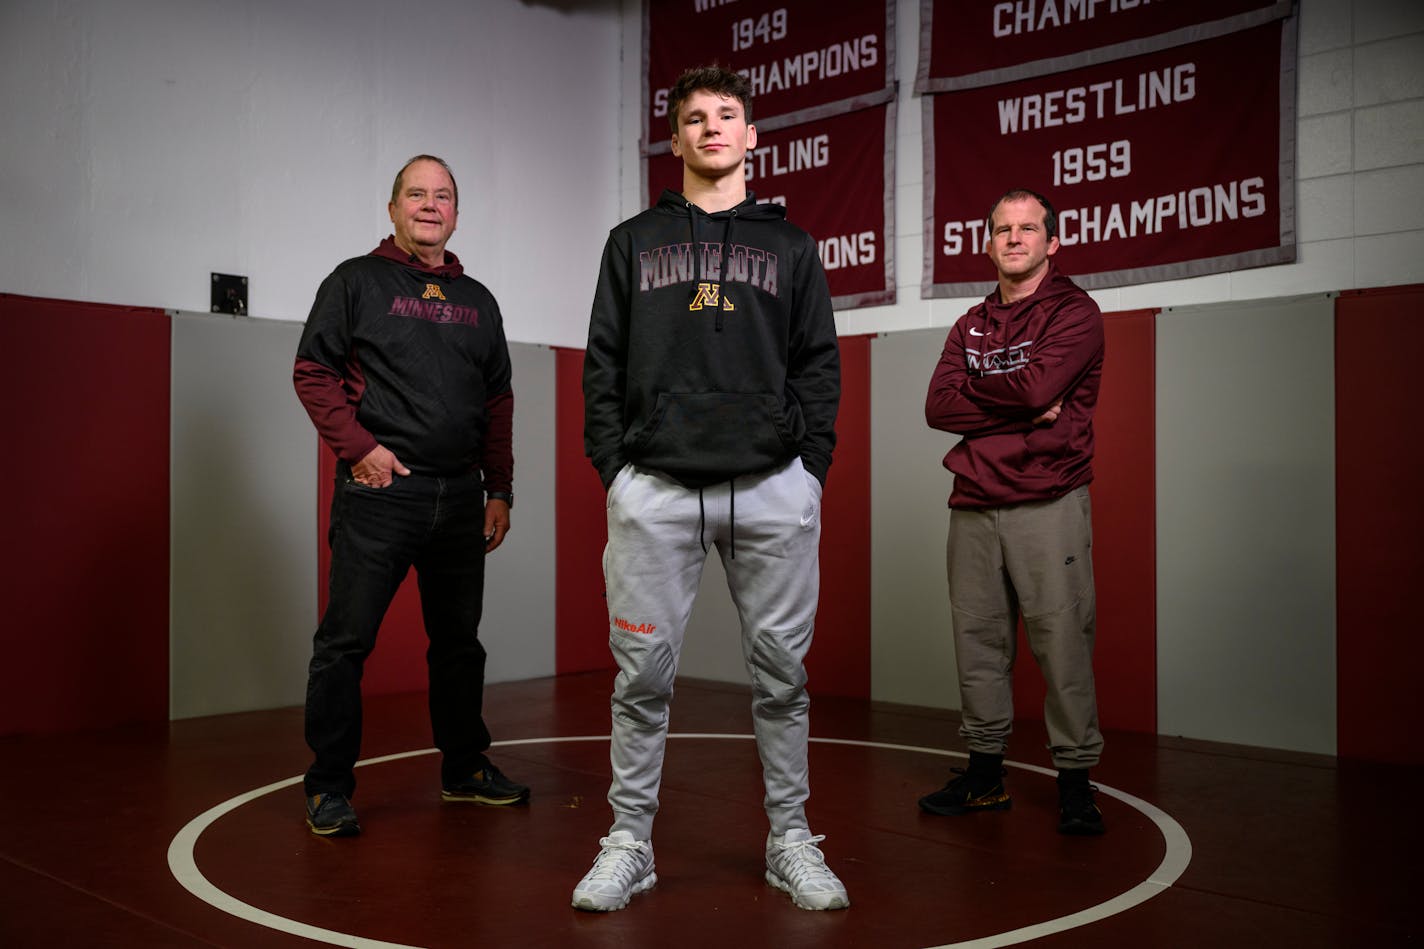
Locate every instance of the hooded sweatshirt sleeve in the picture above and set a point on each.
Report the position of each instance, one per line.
(328, 383)
(949, 408)
(605, 379)
(1070, 344)
(497, 448)
(813, 372)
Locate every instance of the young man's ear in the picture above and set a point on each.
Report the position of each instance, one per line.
(751, 136)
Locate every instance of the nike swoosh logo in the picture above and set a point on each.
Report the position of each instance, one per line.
(974, 332)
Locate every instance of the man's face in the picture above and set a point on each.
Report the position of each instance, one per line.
(424, 210)
(712, 135)
(1018, 242)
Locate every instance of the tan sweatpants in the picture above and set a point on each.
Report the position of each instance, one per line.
(1035, 559)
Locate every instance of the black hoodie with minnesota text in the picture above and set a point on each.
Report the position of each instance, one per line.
(706, 372)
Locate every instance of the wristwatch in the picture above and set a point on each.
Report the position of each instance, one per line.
(504, 496)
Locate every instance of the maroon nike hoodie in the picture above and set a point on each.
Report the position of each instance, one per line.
(1004, 365)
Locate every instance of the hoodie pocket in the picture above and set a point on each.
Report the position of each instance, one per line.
(714, 433)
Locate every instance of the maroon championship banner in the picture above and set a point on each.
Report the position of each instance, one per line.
(965, 44)
(1174, 164)
(802, 62)
(836, 179)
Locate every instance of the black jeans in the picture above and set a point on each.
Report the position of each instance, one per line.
(435, 525)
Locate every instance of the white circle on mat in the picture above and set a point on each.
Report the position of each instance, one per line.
(185, 868)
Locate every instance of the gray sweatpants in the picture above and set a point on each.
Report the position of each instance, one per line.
(767, 530)
(1034, 558)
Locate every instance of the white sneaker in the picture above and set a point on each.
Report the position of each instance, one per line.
(622, 868)
(795, 864)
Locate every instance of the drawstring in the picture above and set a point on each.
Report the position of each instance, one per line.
(731, 519)
(726, 268)
(701, 522)
(696, 257)
(726, 261)
(726, 274)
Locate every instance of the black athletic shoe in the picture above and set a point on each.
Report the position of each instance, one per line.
(1078, 813)
(331, 815)
(971, 791)
(486, 786)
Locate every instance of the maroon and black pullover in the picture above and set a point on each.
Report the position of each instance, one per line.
(1005, 364)
(411, 358)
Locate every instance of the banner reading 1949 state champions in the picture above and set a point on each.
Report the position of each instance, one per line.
(802, 61)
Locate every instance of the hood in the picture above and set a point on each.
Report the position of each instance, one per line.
(449, 270)
(1054, 284)
(748, 210)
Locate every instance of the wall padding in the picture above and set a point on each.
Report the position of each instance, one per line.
(1379, 515)
(241, 600)
(1246, 523)
(85, 637)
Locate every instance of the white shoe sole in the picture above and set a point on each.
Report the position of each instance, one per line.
(831, 901)
(591, 902)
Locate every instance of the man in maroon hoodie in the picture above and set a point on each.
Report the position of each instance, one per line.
(404, 370)
(1018, 381)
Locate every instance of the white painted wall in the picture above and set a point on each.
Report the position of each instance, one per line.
(149, 143)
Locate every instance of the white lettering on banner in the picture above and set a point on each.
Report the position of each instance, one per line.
(1028, 16)
(1198, 207)
(849, 250)
(1098, 100)
(812, 66)
(786, 158)
(768, 28)
(702, 6)
(954, 236)
(1072, 166)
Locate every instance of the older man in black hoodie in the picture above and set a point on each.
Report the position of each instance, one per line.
(404, 370)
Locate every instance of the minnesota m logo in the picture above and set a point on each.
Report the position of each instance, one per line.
(707, 295)
(432, 290)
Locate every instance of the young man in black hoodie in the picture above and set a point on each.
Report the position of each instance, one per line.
(404, 370)
(711, 385)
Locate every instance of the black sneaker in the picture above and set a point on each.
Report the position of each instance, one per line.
(486, 786)
(971, 791)
(331, 815)
(1078, 813)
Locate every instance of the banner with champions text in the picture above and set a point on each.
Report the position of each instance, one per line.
(965, 44)
(1172, 164)
(836, 179)
(802, 63)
